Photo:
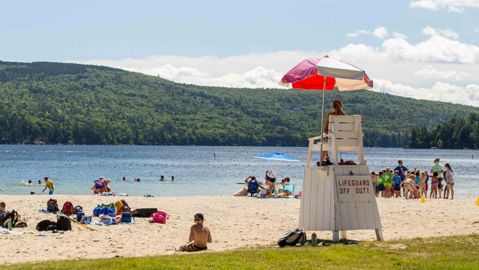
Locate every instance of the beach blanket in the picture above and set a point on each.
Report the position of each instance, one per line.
(6, 231)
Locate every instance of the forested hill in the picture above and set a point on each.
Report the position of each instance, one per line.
(69, 103)
(457, 133)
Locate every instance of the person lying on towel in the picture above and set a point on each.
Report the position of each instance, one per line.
(199, 234)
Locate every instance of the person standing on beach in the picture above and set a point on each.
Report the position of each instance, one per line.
(402, 172)
(49, 185)
(199, 234)
(438, 168)
(374, 180)
(381, 182)
(397, 184)
(449, 176)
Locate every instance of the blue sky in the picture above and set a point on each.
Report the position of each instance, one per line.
(408, 47)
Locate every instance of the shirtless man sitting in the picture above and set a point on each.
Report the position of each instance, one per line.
(200, 235)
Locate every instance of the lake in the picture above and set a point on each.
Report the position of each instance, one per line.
(199, 170)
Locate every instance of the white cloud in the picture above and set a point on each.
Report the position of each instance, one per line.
(443, 32)
(468, 95)
(431, 72)
(396, 64)
(380, 32)
(357, 33)
(428, 30)
(451, 5)
(399, 35)
(256, 78)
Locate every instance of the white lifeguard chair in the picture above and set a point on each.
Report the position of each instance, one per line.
(339, 197)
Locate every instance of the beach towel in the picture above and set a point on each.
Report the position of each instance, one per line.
(6, 231)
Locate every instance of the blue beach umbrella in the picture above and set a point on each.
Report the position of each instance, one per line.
(277, 156)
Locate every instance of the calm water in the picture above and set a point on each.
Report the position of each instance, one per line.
(198, 170)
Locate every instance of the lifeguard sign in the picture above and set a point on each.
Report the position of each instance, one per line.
(339, 197)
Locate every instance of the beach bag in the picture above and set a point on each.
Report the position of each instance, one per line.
(67, 208)
(125, 204)
(125, 209)
(253, 186)
(160, 217)
(77, 209)
(46, 225)
(52, 206)
(110, 212)
(96, 210)
(292, 238)
(64, 223)
(12, 216)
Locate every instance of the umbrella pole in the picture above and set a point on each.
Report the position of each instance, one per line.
(322, 122)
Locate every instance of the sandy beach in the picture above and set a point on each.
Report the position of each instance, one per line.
(234, 222)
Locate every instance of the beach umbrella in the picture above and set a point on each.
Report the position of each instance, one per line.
(278, 157)
(323, 73)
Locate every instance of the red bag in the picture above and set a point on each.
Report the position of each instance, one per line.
(160, 217)
(67, 208)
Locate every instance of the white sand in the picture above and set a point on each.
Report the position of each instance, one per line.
(233, 221)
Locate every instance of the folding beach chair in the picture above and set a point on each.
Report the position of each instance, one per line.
(289, 189)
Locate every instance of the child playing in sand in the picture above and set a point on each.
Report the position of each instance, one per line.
(199, 234)
(434, 184)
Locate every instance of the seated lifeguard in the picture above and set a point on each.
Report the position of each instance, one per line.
(338, 110)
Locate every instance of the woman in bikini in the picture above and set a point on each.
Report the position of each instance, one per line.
(338, 110)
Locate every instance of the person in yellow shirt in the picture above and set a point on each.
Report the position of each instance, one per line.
(49, 185)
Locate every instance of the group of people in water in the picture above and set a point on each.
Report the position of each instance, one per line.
(414, 183)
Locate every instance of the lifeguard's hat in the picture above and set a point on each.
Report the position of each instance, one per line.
(199, 215)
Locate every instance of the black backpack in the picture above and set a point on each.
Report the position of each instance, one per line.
(292, 238)
(52, 206)
(46, 225)
(77, 209)
(12, 216)
(64, 223)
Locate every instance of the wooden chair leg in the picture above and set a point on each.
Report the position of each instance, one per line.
(379, 235)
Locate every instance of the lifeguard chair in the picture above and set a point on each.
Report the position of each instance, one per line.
(339, 197)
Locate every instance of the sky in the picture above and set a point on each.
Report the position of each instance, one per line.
(425, 49)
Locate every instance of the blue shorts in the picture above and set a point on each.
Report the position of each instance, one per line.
(380, 188)
(51, 191)
(397, 187)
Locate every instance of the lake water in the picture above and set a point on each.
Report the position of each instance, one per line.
(199, 170)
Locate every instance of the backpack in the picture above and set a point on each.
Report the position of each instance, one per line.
(12, 216)
(96, 210)
(125, 209)
(46, 225)
(64, 223)
(67, 208)
(52, 206)
(77, 209)
(253, 186)
(160, 217)
(292, 238)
